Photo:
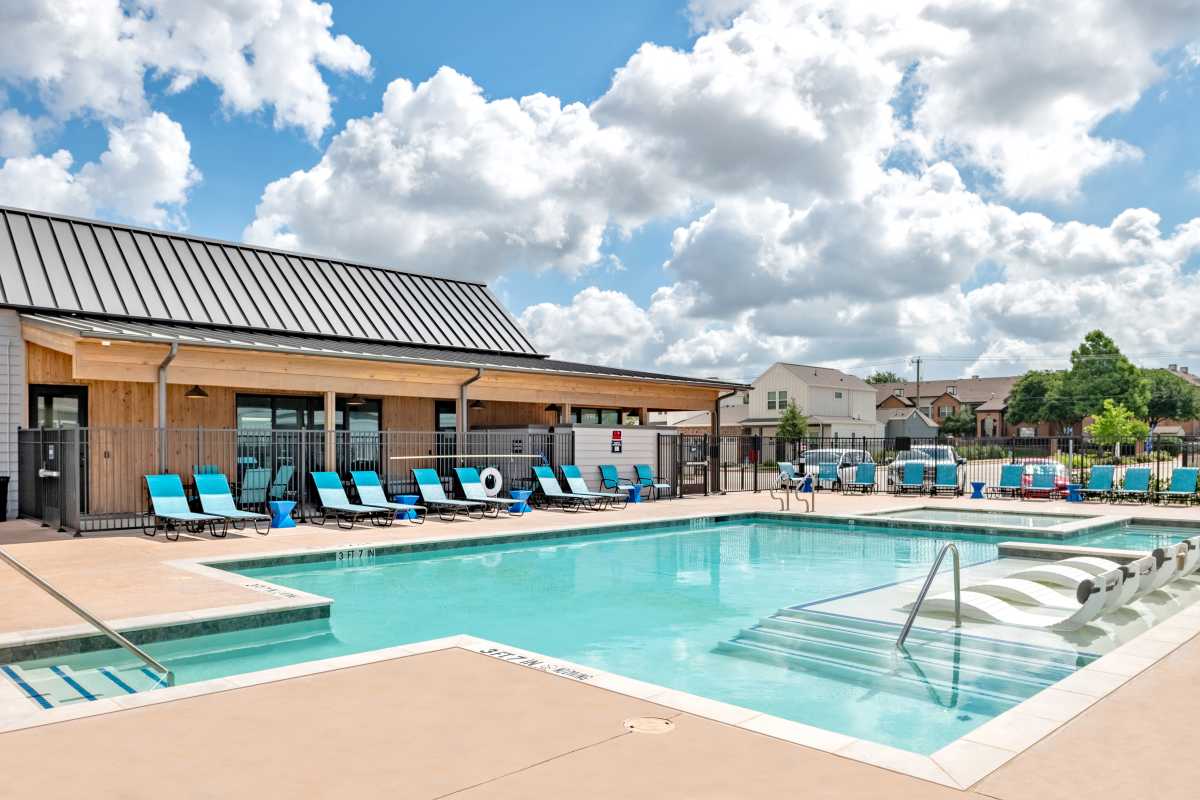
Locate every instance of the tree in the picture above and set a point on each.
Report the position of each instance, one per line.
(960, 423)
(1099, 372)
(792, 424)
(1171, 397)
(1040, 396)
(884, 376)
(1116, 424)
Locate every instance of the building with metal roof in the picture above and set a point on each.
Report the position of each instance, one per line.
(112, 327)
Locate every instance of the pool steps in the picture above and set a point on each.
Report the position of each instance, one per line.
(58, 684)
(953, 669)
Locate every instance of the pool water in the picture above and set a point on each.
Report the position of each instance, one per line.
(981, 517)
(1133, 537)
(679, 607)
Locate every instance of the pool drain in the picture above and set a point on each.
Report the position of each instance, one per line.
(649, 725)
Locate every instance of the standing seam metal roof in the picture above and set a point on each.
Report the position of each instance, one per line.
(65, 264)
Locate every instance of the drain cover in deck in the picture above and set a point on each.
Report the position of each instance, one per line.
(649, 725)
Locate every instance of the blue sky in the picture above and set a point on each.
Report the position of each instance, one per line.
(781, 131)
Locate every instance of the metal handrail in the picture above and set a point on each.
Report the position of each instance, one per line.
(912, 615)
(149, 660)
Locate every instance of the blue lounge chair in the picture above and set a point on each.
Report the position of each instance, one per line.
(280, 487)
(1136, 486)
(945, 479)
(578, 486)
(429, 484)
(370, 493)
(611, 481)
(217, 500)
(169, 509)
(1011, 481)
(864, 479)
(1182, 488)
(253, 491)
(645, 476)
(472, 486)
(1041, 486)
(788, 477)
(1100, 483)
(827, 473)
(334, 503)
(912, 478)
(552, 494)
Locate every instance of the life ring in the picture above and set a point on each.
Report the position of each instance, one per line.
(492, 481)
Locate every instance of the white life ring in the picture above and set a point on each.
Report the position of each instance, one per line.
(492, 481)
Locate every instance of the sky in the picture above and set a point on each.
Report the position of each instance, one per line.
(700, 187)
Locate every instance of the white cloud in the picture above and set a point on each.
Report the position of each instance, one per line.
(92, 56)
(18, 133)
(143, 175)
(597, 326)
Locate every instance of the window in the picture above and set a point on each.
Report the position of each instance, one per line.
(837, 395)
(777, 400)
(898, 392)
(596, 416)
(946, 411)
(291, 412)
(952, 390)
(745, 398)
(771, 400)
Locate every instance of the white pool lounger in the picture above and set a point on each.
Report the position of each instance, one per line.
(1192, 560)
(1092, 595)
(1027, 592)
(1138, 576)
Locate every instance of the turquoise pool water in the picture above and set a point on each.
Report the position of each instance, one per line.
(981, 517)
(663, 606)
(1133, 537)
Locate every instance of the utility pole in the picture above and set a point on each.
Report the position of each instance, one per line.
(917, 360)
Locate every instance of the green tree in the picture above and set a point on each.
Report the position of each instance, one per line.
(1171, 397)
(884, 376)
(792, 424)
(1040, 396)
(1099, 372)
(960, 423)
(1115, 424)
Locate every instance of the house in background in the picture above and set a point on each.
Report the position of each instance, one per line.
(906, 422)
(836, 403)
(1176, 427)
(986, 398)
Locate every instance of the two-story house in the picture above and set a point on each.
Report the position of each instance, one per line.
(836, 404)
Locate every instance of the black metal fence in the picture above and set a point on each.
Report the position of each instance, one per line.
(89, 479)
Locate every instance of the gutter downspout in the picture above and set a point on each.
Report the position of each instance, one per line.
(462, 412)
(162, 406)
(715, 448)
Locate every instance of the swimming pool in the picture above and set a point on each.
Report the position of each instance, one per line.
(717, 611)
(983, 517)
(1136, 536)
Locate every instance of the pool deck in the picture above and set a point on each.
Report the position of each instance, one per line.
(499, 729)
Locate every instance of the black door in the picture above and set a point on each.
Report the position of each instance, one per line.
(58, 411)
(445, 425)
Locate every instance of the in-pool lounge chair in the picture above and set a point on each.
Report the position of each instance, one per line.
(1182, 488)
(370, 493)
(1167, 563)
(611, 481)
(1091, 597)
(1136, 486)
(429, 484)
(552, 494)
(1100, 483)
(577, 485)
(472, 486)
(332, 501)
(169, 509)
(1138, 578)
(912, 479)
(945, 480)
(1042, 486)
(217, 500)
(645, 476)
(1010, 485)
(864, 480)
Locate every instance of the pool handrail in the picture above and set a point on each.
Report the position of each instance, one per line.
(41, 583)
(937, 562)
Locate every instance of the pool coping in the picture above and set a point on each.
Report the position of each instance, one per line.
(959, 764)
(1062, 530)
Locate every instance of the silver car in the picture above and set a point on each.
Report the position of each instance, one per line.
(846, 463)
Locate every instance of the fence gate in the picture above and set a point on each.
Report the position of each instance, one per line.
(692, 463)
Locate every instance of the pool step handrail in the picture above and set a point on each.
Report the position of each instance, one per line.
(41, 583)
(937, 562)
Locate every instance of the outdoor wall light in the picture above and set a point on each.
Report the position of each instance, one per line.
(355, 400)
(196, 393)
(476, 404)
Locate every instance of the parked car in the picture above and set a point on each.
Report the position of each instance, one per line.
(930, 455)
(1062, 475)
(847, 462)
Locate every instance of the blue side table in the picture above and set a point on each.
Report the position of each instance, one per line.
(635, 494)
(408, 500)
(977, 489)
(1073, 495)
(523, 495)
(281, 513)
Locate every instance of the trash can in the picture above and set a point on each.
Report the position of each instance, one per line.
(3, 498)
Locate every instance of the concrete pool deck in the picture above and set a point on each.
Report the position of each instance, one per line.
(502, 731)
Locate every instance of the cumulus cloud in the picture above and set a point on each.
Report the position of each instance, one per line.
(143, 175)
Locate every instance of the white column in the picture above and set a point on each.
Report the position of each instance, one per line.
(12, 400)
